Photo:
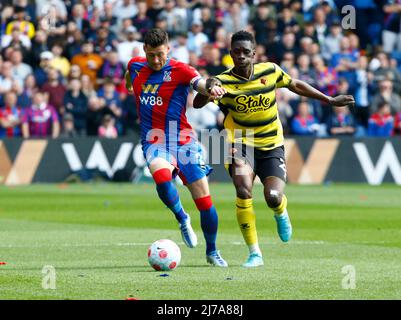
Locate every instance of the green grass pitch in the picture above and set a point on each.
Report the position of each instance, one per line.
(96, 237)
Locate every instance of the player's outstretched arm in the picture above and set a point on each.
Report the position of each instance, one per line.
(208, 90)
(304, 89)
(210, 87)
(200, 101)
(128, 82)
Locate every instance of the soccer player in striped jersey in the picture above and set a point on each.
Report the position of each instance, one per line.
(161, 86)
(250, 109)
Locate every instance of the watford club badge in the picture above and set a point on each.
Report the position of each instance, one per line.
(263, 81)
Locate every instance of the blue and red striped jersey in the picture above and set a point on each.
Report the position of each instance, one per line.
(11, 113)
(161, 98)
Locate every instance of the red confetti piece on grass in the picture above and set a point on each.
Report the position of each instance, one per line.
(131, 298)
(2, 263)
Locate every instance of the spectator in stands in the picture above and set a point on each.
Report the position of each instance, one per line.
(386, 71)
(87, 86)
(326, 81)
(285, 110)
(309, 31)
(6, 15)
(142, 22)
(94, 114)
(174, 23)
(208, 22)
(22, 22)
(77, 16)
(42, 70)
(341, 122)
(391, 34)
(41, 119)
(156, 7)
(286, 44)
(59, 62)
(320, 24)
(381, 123)
(54, 90)
(112, 102)
(52, 23)
(112, 69)
(386, 94)
(304, 69)
(124, 9)
(75, 72)
(397, 123)
(234, 21)
(362, 95)
(20, 70)
(16, 39)
(107, 129)
(130, 47)
(196, 38)
(104, 42)
(260, 55)
(74, 41)
(345, 62)
(286, 21)
(76, 103)
(179, 49)
(11, 116)
(27, 91)
(29, 9)
(108, 20)
(39, 45)
(332, 42)
(88, 61)
(59, 5)
(68, 129)
(259, 22)
(130, 115)
(304, 123)
(214, 66)
(288, 61)
(6, 77)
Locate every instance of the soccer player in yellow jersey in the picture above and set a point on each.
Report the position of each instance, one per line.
(250, 108)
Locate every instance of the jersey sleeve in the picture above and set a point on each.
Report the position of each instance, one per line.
(190, 75)
(283, 78)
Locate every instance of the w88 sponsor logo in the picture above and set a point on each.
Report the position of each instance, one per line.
(151, 100)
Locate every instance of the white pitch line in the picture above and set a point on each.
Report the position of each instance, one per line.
(234, 243)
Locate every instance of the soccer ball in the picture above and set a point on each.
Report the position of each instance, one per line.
(164, 255)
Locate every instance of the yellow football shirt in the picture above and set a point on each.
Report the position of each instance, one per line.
(250, 106)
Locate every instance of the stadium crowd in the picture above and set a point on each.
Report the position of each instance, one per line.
(62, 63)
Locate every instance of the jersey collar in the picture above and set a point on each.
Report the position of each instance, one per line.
(241, 77)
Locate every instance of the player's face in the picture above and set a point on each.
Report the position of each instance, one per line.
(156, 57)
(242, 53)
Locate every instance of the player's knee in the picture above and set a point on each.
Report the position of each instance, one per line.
(162, 175)
(243, 192)
(273, 198)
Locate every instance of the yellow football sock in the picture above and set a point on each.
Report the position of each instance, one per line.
(247, 221)
(281, 208)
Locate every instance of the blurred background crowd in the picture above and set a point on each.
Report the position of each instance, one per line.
(62, 63)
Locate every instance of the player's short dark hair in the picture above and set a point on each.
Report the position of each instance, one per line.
(155, 37)
(243, 36)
